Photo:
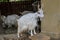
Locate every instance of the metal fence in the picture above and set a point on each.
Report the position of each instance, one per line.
(15, 7)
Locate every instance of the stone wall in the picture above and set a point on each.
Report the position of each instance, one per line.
(51, 21)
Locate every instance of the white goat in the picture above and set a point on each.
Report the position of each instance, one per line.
(29, 21)
(11, 20)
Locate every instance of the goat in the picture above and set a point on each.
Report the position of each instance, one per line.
(11, 20)
(29, 21)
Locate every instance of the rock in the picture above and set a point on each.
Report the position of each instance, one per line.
(40, 37)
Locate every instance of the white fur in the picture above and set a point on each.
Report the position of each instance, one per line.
(11, 20)
(29, 22)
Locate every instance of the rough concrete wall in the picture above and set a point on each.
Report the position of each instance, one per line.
(51, 21)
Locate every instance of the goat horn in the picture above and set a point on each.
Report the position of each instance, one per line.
(38, 5)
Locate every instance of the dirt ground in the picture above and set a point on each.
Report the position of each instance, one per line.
(11, 34)
(25, 37)
(38, 36)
